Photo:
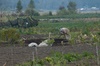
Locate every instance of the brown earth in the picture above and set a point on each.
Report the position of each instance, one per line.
(17, 55)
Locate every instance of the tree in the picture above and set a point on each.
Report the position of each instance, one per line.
(19, 6)
(62, 11)
(30, 10)
(31, 4)
(50, 13)
(61, 7)
(71, 7)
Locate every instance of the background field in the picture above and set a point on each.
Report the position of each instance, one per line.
(79, 27)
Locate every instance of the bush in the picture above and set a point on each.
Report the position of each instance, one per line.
(10, 35)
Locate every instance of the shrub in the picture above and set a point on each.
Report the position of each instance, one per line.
(10, 35)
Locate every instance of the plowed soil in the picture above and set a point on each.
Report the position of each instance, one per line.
(12, 55)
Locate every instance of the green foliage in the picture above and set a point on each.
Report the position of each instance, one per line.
(50, 41)
(31, 4)
(72, 57)
(62, 12)
(71, 16)
(88, 55)
(95, 38)
(56, 59)
(10, 35)
(32, 21)
(50, 13)
(36, 13)
(72, 7)
(75, 28)
(19, 6)
(30, 10)
(59, 59)
(72, 40)
(23, 22)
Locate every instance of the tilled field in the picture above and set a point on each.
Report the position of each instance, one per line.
(17, 55)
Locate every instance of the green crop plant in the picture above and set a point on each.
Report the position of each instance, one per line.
(56, 59)
(88, 55)
(73, 39)
(72, 57)
(50, 41)
(60, 59)
(83, 37)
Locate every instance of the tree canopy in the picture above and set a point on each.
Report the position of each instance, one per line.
(62, 11)
(30, 9)
(19, 6)
(31, 4)
(71, 7)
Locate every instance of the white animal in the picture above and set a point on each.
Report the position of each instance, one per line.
(42, 44)
(33, 44)
(65, 32)
(45, 41)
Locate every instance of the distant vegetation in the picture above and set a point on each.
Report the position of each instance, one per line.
(89, 15)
